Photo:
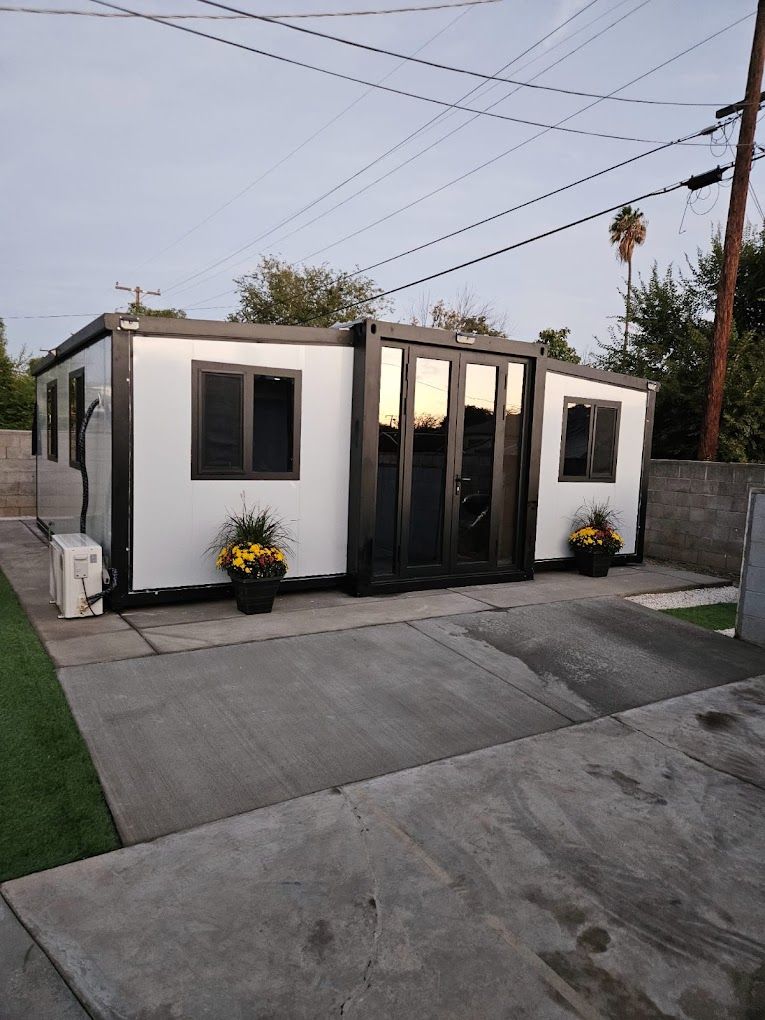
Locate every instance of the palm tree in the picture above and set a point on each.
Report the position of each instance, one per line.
(627, 229)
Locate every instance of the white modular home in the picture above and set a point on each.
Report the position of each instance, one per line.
(400, 457)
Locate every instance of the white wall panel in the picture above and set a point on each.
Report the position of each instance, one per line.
(175, 518)
(59, 486)
(559, 501)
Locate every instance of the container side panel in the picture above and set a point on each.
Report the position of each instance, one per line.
(59, 486)
(175, 518)
(559, 501)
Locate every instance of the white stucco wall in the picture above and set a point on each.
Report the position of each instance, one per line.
(59, 486)
(175, 518)
(559, 501)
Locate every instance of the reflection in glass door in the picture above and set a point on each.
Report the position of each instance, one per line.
(449, 454)
(388, 459)
(511, 462)
(475, 480)
(429, 459)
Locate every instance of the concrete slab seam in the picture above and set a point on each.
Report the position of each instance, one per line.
(687, 754)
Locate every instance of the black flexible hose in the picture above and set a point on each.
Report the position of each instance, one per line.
(81, 461)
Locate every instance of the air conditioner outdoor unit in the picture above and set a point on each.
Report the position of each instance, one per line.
(75, 574)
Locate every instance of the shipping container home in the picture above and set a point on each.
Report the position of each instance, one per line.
(401, 457)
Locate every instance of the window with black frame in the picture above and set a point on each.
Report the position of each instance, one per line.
(590, 440)
(76, 412)
(51, 420)
(245, 421)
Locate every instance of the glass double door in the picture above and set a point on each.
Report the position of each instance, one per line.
(449, 458)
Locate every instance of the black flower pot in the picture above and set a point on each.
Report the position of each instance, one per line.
(592, 564)
(254, 594)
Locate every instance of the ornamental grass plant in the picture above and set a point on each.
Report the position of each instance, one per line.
(252, 543)
(594, 529)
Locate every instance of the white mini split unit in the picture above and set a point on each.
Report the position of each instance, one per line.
(76, 576)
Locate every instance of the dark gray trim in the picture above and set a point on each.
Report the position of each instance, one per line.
(122, 466)
(247, 373)
(403, 333)
(245, 332)
(208, 329)
(632, 382)
(51, 387)
(206, 592)
(88, 335)
(391, 585)
(594, 403)
(645, 472)
(535, 401)
(74, 424)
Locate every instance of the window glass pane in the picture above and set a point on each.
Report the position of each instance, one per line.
(272, 424)
(431, 430)
(604, 441)
(577, 440)
(221, 432)
(477, 462)
(388, 454)
(511, 462)
(51, 415)
(76, 413)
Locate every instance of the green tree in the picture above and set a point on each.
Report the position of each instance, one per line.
(17, 388)
(626, 231)
(558, 345)
(283, 294)
(466, 315)
(160, 313)
(671, 342)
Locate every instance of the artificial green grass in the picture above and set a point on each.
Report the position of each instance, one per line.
(51, 805)
(719, 616)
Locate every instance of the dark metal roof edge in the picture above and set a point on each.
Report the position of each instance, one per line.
(82, 338)
(632, 382)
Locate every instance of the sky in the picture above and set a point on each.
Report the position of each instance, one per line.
(122, 139)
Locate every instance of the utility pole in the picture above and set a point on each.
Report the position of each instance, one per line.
(734, 231)
(137, 292)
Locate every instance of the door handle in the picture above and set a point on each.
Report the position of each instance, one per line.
(458, 483)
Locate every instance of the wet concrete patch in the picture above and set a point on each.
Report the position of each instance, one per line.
(598, 656)
(724, 728)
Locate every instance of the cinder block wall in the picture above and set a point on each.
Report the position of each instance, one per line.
(17, 474)
(697, 512)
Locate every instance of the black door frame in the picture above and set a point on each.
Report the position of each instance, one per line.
(371, 336)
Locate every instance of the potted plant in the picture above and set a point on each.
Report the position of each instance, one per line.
(594, 539)
(252, 545)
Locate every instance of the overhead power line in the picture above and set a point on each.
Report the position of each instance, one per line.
(298, 148)
(526, 141)
(7, 8)
(385, 88)
(495, 216)
(516, 208)
(453, 181)
(513, 247)
(445, 67)
(441, 115)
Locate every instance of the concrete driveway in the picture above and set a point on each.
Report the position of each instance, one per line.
(609, 869)
(531, 800)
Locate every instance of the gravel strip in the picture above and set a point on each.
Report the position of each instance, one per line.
(683, 599)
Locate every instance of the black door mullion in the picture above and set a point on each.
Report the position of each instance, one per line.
(405, 466)
(496, 475)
